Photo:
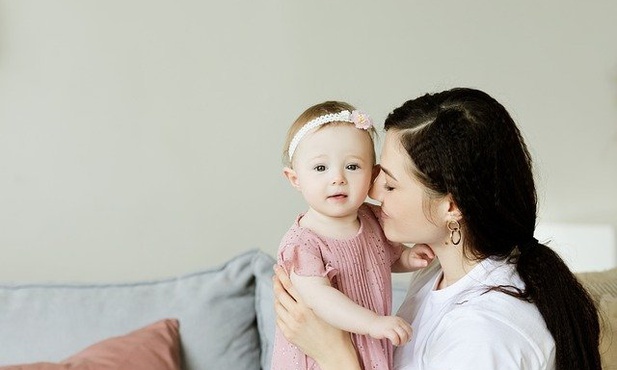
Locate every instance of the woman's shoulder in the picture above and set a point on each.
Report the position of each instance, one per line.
(492, 331)
(495, 308)
(503, 322)
(480, 304)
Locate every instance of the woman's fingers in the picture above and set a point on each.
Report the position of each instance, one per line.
(285, 321)
(291, 314)
(287, 302)
(299, 324)
(285, 282)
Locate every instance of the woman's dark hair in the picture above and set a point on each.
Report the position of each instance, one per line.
(464, 143)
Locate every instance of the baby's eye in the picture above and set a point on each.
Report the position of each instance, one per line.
(352, 167)
(320, 168)
(388, 187)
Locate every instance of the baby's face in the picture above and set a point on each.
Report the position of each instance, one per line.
(334, 166)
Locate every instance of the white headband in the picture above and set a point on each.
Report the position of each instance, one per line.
(359, 119)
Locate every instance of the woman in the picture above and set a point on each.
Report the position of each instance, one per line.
(456, 175)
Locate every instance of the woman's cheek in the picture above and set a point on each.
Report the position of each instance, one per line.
(390, 231)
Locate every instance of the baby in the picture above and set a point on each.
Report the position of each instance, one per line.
(336, 253)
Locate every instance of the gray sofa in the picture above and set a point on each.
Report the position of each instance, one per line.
(226, 315)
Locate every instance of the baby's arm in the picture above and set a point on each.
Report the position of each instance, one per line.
(340, 311)
(413, 258)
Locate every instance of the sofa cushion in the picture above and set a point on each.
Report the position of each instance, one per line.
(264, 308)
(154, 347)
(608, 341)
(215, 308)
(602, 285)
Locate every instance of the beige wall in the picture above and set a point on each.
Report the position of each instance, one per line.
(142, 138)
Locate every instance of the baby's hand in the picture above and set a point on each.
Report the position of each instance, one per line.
(394, 328)
(419, 256)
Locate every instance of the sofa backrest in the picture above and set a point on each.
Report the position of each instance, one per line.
(215, 307)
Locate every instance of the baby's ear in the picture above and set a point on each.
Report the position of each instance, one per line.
(376, 170)
(292, 176)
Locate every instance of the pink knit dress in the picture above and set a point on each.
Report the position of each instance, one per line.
(359, 267)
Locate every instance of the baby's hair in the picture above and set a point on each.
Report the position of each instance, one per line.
(317, 110)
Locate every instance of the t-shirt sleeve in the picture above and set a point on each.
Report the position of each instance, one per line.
(480, 342)
(305, 259)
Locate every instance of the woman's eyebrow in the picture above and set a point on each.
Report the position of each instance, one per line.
(388, 173)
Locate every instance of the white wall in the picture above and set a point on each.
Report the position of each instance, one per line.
(142, 138)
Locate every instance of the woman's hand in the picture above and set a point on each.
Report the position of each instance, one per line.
(330, 347)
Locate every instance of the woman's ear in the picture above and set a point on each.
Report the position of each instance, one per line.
(449, 210)
(292, 176)
(454, 212)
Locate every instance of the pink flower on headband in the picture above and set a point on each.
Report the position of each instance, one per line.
(361, 120)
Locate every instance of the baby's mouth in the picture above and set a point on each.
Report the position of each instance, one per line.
(337, 196)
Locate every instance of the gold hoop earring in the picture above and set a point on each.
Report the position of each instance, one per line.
(455, 231)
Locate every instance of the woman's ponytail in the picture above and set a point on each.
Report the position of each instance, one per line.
(567, 308)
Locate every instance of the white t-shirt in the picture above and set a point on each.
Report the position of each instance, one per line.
(464, 327)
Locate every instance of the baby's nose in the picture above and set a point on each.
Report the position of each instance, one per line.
(338, 178)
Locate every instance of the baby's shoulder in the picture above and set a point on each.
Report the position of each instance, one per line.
(298, 236)
(372, 210)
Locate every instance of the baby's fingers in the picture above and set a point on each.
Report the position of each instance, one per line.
(394, 336)
(418, 263)
(404, 334)
(400, 334)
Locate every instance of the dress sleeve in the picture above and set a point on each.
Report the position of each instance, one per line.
(395, 250)
(305, 259)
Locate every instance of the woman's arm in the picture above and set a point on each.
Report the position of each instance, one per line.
(340, 311)
(330, 347)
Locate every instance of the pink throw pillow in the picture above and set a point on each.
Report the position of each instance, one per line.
(154, 347)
